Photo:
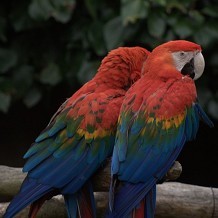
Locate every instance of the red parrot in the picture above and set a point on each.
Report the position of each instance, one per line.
(160, 112)
(79, 137)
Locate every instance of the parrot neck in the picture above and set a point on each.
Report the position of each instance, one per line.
(161, 66)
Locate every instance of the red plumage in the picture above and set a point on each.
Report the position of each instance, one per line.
(79, 137)
(159, 114)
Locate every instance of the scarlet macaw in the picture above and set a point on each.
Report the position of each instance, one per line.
(160, 112)
(79, 137)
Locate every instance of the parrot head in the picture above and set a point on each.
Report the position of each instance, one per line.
(176, 58)
(122, 66)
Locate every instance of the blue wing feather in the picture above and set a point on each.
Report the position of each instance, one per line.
(31, 190)
(63, 159)
(203, 115)
(147, 155)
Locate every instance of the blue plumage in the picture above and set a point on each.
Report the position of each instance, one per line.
(144, 153)
(80, 135)
(64, 162)
(30, 191)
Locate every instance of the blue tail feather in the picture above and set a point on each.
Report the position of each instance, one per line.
(71, 205)
(129, 197)
(86, 201)
(81, 204)
(150, 203)
(204, 116)
(30, 192)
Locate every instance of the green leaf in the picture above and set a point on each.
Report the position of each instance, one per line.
(20, 19)
(156, 25)
(6, 85)
(22, 23)
(74, 64)
(5, 101)
(23, 79)
(211, 10)
(200, 38)
(32, 97)
(183, 28)
(131, 11)
(3, 24)
(40, 9)
(177, 5)
(8, 59)
(172, 20)
(169, 35)
(87, 71)
(213, 108)
(96, 38)
(60, 10)
(91, 5)
(213, 60)
(161, 2)
(63, 10)
(113, 33)
(197, 16)
(50, 75)
(207, 35)
(132, 32)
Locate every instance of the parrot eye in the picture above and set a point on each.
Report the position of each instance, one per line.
(181, 58)
(182, 53)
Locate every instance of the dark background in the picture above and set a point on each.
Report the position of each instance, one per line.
(48, 50)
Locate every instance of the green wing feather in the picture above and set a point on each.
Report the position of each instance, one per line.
(75, 143)
(153, 129)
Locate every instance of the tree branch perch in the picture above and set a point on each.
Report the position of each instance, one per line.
(174, 200)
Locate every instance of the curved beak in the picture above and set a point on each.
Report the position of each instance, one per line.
(199, 65)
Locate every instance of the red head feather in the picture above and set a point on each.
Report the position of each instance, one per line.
(179, 45)
(160, 62)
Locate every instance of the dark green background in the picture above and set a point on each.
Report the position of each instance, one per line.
(49, 48)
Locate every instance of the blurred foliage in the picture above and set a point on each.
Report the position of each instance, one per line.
(44, 43)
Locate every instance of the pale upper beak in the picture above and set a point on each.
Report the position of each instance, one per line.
(199, 65)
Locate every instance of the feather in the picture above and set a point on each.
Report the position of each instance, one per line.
(204, 116)
(31, 192)
(71, 205)
(79, 137)
(158, 116)
(86, 201)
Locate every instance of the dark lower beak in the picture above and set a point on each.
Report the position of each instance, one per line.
(189, 68)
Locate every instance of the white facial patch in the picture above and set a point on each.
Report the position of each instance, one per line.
(181, 58)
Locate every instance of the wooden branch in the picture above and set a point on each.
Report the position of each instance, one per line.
(174, 200)
(10, 182)
(50, 209)
(11, 179)
(178, 200)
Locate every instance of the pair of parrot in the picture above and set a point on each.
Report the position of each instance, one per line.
(141, 107)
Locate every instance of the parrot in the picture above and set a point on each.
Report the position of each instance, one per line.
(159, 114)
(78, 139)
